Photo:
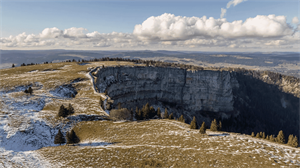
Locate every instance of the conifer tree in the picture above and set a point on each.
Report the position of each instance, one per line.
(260, 134)
(214, 126)
(203, 128)
(220, 126)
(158, 112)
(290, 140)
(70, 109)
(131, 114)
(267, 138)
(146, 111)
(13, 65)
(26, 91)
(295, 142)
(257, 135)
(280, 137)
(263, 135)
(59, 138)
(119, 106)
(136, 114)
(152, 112)
(101, 103)
(271, 138)
(181, 118)
(72, 138)
(62, 112)
(30, 90)
(194, 123)
(166, 114)
(252, 134)
(171, 117)
(141, 116)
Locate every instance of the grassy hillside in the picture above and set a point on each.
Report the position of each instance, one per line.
(165, 143)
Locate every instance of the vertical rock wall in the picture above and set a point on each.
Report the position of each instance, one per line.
(193, 90)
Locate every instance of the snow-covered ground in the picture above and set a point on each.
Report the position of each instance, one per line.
(22, 127)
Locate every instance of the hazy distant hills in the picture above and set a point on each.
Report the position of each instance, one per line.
(282, 62)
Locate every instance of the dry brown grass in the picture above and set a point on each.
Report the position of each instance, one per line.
(161, 142)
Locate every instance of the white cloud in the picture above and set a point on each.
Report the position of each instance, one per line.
(223, 12)
(75, 32)
(168, 31)
(51, 33)
(234, 3)
(171, 27)
(295, 20)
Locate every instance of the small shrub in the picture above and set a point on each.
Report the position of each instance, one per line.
(120, 114)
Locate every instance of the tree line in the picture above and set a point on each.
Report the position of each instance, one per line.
(292, 140)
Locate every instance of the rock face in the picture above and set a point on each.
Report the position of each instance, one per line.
(201, 90)
(233, 97)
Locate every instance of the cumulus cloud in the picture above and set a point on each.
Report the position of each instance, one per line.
(168, 31)
(171, 27)
(295, 20)
(223, 12)
(234, 3)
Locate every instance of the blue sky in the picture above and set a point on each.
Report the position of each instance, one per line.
(32, 17)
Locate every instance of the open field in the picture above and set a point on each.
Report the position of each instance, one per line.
(165, 143)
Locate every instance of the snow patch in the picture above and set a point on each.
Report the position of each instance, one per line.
(64, 91)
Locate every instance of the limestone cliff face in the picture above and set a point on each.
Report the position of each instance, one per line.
(193, 90)
(244, 101)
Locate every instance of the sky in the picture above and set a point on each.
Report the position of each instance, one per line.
(202, 25)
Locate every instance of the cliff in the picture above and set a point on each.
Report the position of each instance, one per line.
(239, 99)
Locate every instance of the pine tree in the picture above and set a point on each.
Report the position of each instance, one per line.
(13, 65)
(70, 109)
(171, 117)
(72, 138)
(263, 135)
(252, 134)
(203, 128)
(26, 91)
(214, 126)
(257, 135)
(280, 137)
(166, 114)
(101, 103)
(119, 106)
(220, 126)
(158, 112)
(295, 142)
(152, 112)
(181, 118)
(267, 138)
(131, 114)
(136, 114)
(146, 111)
(194, 123)
(59, 138)
(30, 90)
(260, 134)
(141, 116)
(290, 140)
(271, 138)
(62, 112)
